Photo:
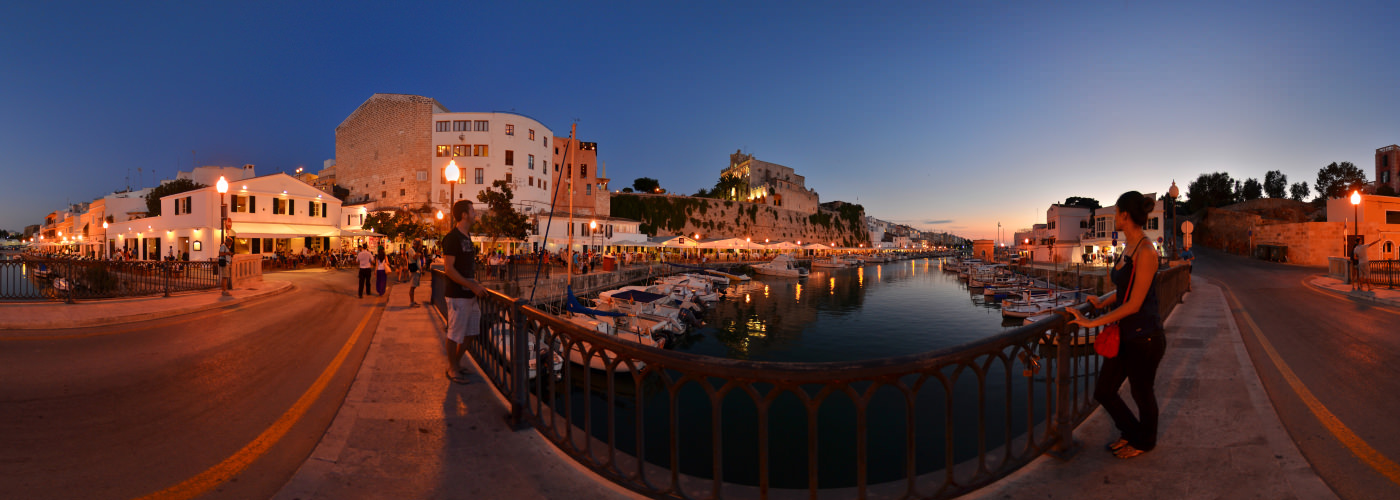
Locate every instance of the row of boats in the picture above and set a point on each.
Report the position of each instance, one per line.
(1017, 296)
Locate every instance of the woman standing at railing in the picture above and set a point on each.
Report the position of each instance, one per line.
(1142, 340)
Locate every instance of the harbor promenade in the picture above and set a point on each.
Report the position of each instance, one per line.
(405, 431)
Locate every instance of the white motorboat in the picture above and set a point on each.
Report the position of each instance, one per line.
(782, 265)
(1031, 307)
(501, 331)
(831, 263)
(600, 359)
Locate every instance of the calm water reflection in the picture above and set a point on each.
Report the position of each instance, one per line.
(875, 311)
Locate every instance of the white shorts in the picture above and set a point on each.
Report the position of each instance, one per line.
(463, 319)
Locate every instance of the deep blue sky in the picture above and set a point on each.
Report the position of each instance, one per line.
(945, 115)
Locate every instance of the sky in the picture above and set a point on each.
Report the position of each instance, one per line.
(951, 116)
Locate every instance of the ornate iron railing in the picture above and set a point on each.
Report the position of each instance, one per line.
(34, 279)
(670, 424)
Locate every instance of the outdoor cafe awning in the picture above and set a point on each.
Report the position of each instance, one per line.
(275, 230)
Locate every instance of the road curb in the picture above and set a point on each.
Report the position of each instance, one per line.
(1363, 298)
(69, 323)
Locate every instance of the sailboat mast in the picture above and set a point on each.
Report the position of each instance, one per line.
(569, 150)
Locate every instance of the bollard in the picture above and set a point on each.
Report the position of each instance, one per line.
(519, 365)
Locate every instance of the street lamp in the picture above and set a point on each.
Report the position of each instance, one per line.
(593, 233)
(222, 188)
(451, 174)
(1171, 216)
(104, 239)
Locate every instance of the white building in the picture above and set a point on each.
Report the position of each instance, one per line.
(1102, 241)
(489, 147)
(273, 213)
(208, 175)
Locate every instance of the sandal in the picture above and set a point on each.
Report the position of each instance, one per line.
(1128, 451)
(1116, 445)
(456, 378)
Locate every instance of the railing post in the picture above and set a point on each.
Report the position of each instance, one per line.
(166, 265)
(1063, 428)
(71, 280)
(520, 364)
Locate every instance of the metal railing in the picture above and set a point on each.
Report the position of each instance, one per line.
(671, 424)
(35, 279)
(1383, 273)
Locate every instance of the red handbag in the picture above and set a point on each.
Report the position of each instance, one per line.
(1106, 343)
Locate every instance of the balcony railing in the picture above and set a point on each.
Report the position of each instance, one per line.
(670, 424)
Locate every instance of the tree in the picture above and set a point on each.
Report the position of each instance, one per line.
(627, 190)
(399, 224)
(1080, 201)
(1385, 190)
(500, 220)
(1252, 190)
(1338, 179)
(1210, 190)
(176, 186)
(1275, 184)
(646, 185)
(1299, 191)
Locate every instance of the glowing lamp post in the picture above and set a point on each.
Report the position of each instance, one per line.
(451, 174)
(593, 233)
(104, 239)
(222, 188)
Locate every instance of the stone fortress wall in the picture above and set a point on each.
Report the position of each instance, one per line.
(663, 215)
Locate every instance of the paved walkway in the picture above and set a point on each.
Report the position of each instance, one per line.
(31, 318)
(1219, 436)
(405, 431)
(1380, 295)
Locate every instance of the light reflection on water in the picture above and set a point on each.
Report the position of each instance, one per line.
(909, 309)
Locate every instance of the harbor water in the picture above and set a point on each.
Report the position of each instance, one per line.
(870, 312)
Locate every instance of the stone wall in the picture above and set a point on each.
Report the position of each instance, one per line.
(711, 218)
(1310, 243)
(381, 147)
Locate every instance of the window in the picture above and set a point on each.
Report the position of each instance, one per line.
(279, 206)
(510, 129)
(323, 210)
(291, 208)
(312, 208)
(532, 180)
(1151, 223)
(544, 165)
(542, 185)
(532, 134)
(383, 194)
(480, 176)
(1392, 217)
(422, 176)
(442, 126)
(532, 162)
(583, 170)
(481, 126)
(510, 157)
(480, 150)
(401, 193)
(507, 177)
(1052, 225)
(461, 150)
(444, 150)
(1084, 224)
(588, 190)
(462, 126)
(546, 142)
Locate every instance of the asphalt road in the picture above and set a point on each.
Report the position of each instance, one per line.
(1345, 353)
(133, 410)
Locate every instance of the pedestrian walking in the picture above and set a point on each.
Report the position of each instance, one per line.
(417, 260)
(462, 289)
(381, 272)
(1142, 340)
(366, 261)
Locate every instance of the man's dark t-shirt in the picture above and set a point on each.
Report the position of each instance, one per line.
(460, 247)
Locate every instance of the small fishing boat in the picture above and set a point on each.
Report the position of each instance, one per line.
(831, 263)
(781, 265)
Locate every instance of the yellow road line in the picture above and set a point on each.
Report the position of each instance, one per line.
(1363, 451)
(1340, 296)
(238, 462)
